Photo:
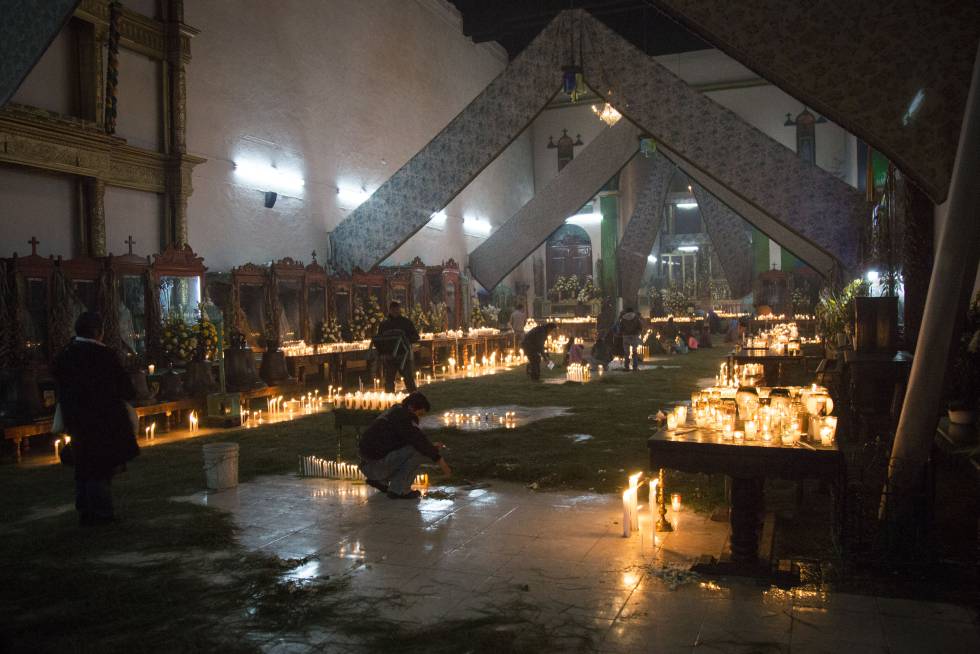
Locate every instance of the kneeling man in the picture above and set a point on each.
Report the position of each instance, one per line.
(393, 448)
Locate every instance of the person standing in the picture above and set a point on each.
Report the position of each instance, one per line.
(517, 321)
(393, 447)
(534, 347)
(631, 329)
(93, 389)
(396, 335)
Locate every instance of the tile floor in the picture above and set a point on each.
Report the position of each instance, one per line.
(562, 557)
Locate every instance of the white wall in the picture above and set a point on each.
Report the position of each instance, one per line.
(50, 83)
(342, 93)
(133, 213)
(140, 101)
(33, 203)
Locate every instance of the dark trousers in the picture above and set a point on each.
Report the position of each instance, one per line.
(93, 498)
(390, 365)
(534, 365)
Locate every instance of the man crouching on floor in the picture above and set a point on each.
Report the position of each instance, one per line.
(393, 447)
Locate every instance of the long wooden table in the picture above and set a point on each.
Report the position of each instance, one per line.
(748, 464)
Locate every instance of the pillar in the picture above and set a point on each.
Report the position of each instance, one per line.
(93, 242)
(955, 265)
(609, 206)
(175, 87)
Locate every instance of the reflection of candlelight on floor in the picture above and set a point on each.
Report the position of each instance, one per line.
(675, 502)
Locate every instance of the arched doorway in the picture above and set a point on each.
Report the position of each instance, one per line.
(568, 252)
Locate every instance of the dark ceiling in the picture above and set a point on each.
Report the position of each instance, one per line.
(514, 23)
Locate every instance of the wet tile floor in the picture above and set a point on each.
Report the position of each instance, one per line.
(562, 556)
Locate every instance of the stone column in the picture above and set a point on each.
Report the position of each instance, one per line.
(455, 247)
(955, 265)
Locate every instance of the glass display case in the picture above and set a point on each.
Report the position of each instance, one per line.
(32, 279)
(179, 274)
(292, 307)
(341, 303)
(131, 274)
(83, 274)
(315, 283)
(250, 283)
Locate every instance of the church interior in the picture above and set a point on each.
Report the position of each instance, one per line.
(677, 302)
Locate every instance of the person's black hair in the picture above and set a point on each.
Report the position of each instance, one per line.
(550, 325)
(416, 400)
(89, 324)
(394, 304)
(628, 310)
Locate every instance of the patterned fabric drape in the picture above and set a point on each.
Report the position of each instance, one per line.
(894, 73)
(273, 308)
(26, 30)
(7, 320)
(108, 303)
(154, 323)
(112, 69)
(60, 314)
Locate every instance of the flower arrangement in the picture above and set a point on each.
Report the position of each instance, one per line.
(204, 336)
(177, 340)
(420, 318)
(588, 292)
(366, 319)
(330, 332)
(476, 317)
(565, 287)
(438, 316)
(491, 315)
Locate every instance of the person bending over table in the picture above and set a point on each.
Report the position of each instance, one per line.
(393, 447)
(533, 346)
(396, 335)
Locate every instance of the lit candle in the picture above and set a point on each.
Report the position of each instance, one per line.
(750, 430)
(151, 368)
(738, 435)
(627, 518)
(826, 436)
(671, 421)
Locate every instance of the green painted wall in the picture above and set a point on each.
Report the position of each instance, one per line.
(760, 251)
(609, 207)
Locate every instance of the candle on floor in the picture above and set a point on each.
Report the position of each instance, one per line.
(627, 519)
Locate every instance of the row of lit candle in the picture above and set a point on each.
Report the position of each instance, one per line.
(578, 372)
(485, 419)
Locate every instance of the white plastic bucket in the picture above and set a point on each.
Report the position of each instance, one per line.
(221, 465)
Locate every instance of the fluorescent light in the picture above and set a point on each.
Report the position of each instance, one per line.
(476, 226)
(266, 177)
(438, 219)
(873, 276)
(352, 196)
(687, 248)
(651, 258)
(686, 205)
(593, 218)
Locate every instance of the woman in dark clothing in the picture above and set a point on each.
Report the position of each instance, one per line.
(93, 389)
(533, 346)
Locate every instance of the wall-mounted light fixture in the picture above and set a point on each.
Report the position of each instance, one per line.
(268, 178)
(651, 258)
(477, 227)
(687, 248)
(686, 205)
(593, 218)
(352, 196)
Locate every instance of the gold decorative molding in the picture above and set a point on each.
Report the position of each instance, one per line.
(137, 32)
(40, 139)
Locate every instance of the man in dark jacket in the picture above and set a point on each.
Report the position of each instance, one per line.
(630, 327)
(396, 334)
(93, 389)
(393, 448)
(533, 346)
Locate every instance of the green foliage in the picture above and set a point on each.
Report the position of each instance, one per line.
(835, 311)
(204, 339)
(420, 318)
(366, 319)
(476, 317)
(565, 287)
(439, 316)
(177, 339)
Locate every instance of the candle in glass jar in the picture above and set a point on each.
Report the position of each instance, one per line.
(826, 436)
(738, 435)
(675, 502)
(151, 369)
(671, 421)
(681, 411)
(750, 430)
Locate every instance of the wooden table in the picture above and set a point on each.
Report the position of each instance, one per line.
(774, 365)
(748, 463)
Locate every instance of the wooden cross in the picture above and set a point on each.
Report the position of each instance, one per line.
(130, 242)
(34, 243)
